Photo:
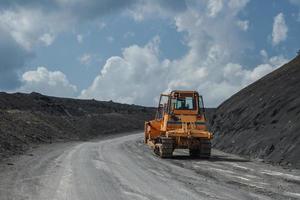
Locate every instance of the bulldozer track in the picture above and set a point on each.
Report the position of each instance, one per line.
(165, 147)
(205, 148)
(203, 151)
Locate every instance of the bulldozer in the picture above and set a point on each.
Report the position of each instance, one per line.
(180, 123)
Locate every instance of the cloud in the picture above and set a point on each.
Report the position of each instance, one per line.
(86, 10)
(79, 9)
(13, 56)
(54, 83)
(129, 34)
(47, 39)
(30, 27)
(19, 25)
(85, 59)
(280, 29)
(214, 7)
(263, 53)
(235, 72)
(133, 78)
(243, 25)
(163, 9)
(101, 25)
(79, 38)
(110, 39)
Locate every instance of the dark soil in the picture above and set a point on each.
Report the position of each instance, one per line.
(29, 119)
(209, 113)
(263, 120)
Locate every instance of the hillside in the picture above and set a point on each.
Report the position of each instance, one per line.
(27, 119)
(263, 119)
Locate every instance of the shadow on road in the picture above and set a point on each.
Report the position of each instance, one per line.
(213, 158)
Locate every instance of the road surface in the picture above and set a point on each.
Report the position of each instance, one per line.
(124, 168)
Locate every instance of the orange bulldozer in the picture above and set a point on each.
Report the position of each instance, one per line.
(180, 123)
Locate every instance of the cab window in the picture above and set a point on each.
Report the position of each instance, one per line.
(183, 103)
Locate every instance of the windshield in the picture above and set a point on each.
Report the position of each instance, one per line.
(184, 103)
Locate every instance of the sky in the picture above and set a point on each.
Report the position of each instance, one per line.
(130, 51)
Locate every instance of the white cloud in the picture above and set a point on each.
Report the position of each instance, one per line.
(110, 39)
(85, 59)
(133, 78)
(237, 5)
(280, 29)
(54, 83)
(30, 27)
(101, 25)
(296, 16)
(263, 53)
(214, 7)
(79, 38)
(47, 39)
(243, 25)
(236, 75)
(137, 15)
(129, 34)
(155, 8)
(277, 61)
(20, 25)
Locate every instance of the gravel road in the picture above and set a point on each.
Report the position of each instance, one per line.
(123, 167)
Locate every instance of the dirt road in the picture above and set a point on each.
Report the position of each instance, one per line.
(124, 168)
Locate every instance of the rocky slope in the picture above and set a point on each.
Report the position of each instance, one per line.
(263, 119)
(27, 119)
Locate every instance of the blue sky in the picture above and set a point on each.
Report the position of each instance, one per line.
(132, 50)
(96, 42)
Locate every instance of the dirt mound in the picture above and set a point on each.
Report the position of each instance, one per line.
(263, 120)
(27, 119)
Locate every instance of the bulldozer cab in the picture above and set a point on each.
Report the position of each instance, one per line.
(180, 103)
